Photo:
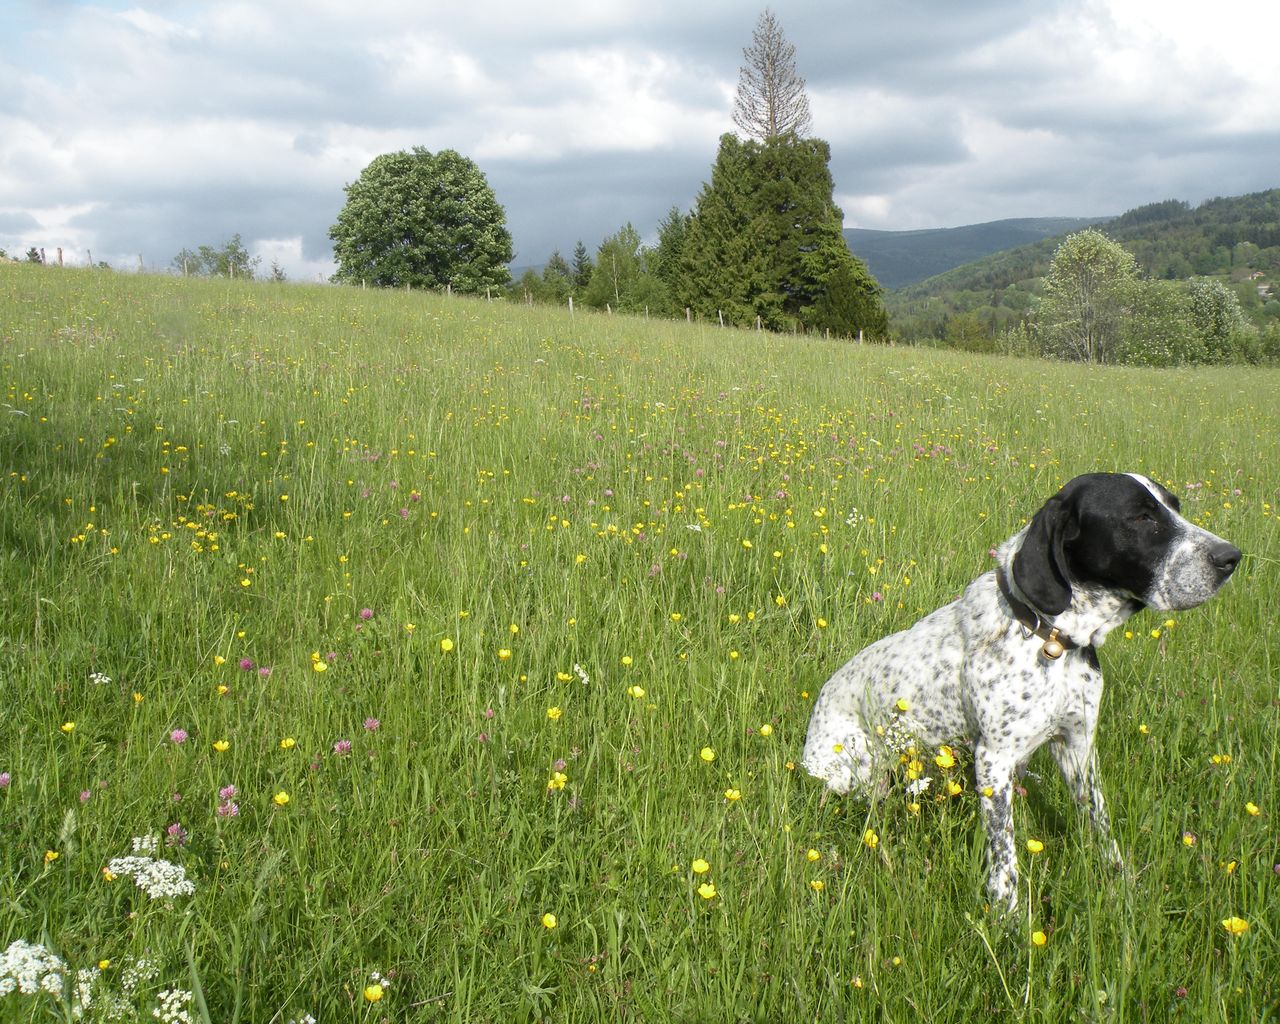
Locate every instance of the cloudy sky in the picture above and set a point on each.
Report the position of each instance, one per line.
(134, 127)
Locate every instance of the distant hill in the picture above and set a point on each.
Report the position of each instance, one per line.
(900, 258)
(1235, 238)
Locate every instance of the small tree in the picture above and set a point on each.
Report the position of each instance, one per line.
(1159, 330)
(582, 266)
(1087, 293)
(1218, 319)
(667, 257)
(231, 260)
(422, 219)
(771, 99)
(557, 279)
(623, 279)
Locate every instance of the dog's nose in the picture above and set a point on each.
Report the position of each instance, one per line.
(1225, 557)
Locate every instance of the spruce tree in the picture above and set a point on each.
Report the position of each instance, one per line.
(581, 266)
(765, 241)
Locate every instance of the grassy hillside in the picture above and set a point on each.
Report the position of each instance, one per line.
(489, 614)
(901, 258)
(1236, 239)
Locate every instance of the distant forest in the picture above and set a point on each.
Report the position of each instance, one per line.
(1235, 240)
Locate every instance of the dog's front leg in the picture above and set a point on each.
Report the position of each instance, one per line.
(993, 770)
(1078, 761)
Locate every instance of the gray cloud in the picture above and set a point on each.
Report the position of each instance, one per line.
(148, 126)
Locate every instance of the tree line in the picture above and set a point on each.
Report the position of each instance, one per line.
(1097, 307)
(761, 247)
(992, 304)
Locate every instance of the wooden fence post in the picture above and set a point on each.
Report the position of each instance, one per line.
(720, 314)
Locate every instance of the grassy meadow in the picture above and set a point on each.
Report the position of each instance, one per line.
(505, 627)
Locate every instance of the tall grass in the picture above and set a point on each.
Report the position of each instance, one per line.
(474, 585)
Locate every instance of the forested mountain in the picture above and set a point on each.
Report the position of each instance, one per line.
(1236, 239)
(901, 258)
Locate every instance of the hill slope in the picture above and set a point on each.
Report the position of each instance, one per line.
(1235, 238)
(399, 625)
(901, 258)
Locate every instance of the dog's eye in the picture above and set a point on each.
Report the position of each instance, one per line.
(1144, 517)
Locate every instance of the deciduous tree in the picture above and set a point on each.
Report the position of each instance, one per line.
(231, 260)
(422, 219)
(623, 279)
(1087, 293)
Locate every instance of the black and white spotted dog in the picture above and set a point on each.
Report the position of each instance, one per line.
(1011, 665)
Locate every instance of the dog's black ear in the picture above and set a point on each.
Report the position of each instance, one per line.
(1040, 565)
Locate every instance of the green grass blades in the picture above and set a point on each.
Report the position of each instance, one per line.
(385, 656)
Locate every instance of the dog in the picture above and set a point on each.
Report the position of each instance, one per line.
(1012, 663)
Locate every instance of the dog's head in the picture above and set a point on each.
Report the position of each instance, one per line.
(1123, 532)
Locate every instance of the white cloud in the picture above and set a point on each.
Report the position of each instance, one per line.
(288, 254)
(162, 125)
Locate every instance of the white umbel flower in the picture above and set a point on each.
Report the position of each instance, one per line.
(29, 968)
(159, 879)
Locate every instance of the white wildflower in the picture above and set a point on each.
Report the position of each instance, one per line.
(138, 972)
(582, 674)
(86, 978)
(917, 786)
(897, 736)
(159, 879)
(172, 1007)
(146, 845)
(29, 968)
(99, 678)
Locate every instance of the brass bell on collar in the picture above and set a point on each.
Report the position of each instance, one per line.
(1052, 649)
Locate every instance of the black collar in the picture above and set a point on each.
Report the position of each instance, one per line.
(1055, 641)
